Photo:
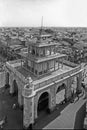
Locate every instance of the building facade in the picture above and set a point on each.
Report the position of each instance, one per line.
(40, 76)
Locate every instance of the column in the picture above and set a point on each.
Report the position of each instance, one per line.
(52, 100)
(20, 97)
(35, 50)
(37, 69)
(54, 65)
(47, 66)
(42, 68)
(11, 83)
(79, 80)
(28, 111)
(50, 50)
(62, 64)
(39, 49)
(35, 107)
(54, 50)
(44, 51)
(58, 64)
(6, 78)
(68, 89)
(28, 50)
(34, 67)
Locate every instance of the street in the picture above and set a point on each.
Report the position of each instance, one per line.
(68, 117)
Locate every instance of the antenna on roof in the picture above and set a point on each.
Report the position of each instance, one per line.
(41, 25)
(42, 22)
(40, 31)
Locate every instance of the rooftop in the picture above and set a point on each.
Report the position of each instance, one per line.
(42, 43)
(50, 57)
(25, 73)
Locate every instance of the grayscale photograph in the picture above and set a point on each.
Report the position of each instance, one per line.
(43, 64)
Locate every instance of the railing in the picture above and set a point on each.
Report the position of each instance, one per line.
(47, 80)
(56, 78)
(15, 61)
(69, 63)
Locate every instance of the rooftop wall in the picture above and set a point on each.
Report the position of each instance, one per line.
(56, 77)
(71, 64)
(48, 79)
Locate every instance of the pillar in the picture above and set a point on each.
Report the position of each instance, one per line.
(50, 50)
(38, 52)
(79, 80)
(28, 111)
(6, 79)
(35, 107)
(54, 64)
(62, 64)
(54, 49)
(35, 50)
(11, 79)
(20, 97)
(47, 65)
(44, 51)
(68, 89)
(42, 67)
(52, 98)
(28, 50)
(58, 64)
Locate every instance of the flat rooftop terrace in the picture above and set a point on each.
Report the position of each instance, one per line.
(42, 78)
(46, 79)
(54, 56)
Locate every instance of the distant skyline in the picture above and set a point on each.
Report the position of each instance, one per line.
(57, 13)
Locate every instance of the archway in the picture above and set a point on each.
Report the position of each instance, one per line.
(43, 102)
(60, 93)
(15, 86)
(7, 80)
(74, 84)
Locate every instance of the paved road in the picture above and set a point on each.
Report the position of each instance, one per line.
(69, 116)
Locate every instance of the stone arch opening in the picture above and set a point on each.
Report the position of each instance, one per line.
(43, 102)
(60, 93)
(15, 86)
(74, 84)
(7, 80)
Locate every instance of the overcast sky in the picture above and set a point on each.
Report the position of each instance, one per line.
(54, 12)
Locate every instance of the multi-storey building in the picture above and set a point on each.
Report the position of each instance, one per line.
(40, 76)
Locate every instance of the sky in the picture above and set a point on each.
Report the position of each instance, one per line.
(59, 13)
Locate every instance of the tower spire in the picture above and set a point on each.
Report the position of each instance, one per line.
(42, 22)
(41, 25)
(40, 31)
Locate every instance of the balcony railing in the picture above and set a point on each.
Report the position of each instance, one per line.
(56, 78)
(48, 80)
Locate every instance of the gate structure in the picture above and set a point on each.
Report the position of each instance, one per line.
(40, 76)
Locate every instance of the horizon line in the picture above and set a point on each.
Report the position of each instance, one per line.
(43, 26)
